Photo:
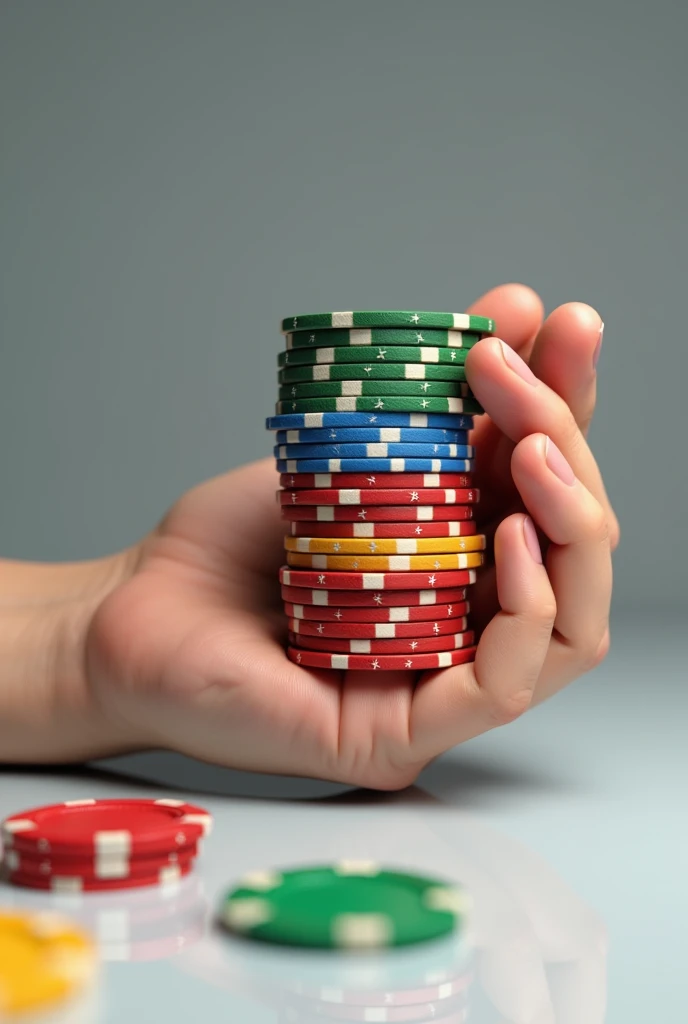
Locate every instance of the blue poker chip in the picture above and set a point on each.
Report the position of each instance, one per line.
(318, 420)
(376, 450)
(375, 465)
(370, 435)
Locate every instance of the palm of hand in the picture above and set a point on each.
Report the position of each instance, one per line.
(189, 652)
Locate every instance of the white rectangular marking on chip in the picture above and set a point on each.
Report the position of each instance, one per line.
(414, 371)
(461, 321)
(107, 843)
(345, 319)
(397, 465)
(454, 339)
(385, 631)
(430, 354)
(399, 563)
(454, 530)
(325, 513)
(450, 497)
(297, 611)
(364, 530)
(322, 372)
(373, 581)
(293, 436)
(324, 355)
(352, 387)
(313, 419)
(436, 465)
(418, 419)
(431, 480)
(112, 867)
(428, 597)
(361, 337)
(444, 659)
(340, 660)
(424, 512)
(360, 646)
(323, 480)
(303, 544)
(399, 615)
(292, 466)
(335, 465)
(377, 451)
(320, 597)
(349, 497)
(345, 404)
(286, 578)
(407, 546)
(319, 561)
(390, 434)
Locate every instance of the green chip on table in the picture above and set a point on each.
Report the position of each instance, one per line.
(348, 905)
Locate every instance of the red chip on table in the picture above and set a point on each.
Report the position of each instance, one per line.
(125, 828)
(169, 875)
(377, 514)
(397, 496)
(92, 868)
(337, 580)
(370, 481)
(375, 630)
(385, 531)
(371, 616)
(422, 645)
(372, 599)
(381, 662)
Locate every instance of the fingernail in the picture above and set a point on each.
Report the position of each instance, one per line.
(531, 539)
(598, 347)
(558, 464)
(515, 363)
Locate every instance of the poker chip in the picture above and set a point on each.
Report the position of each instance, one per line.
(374, 465)
(380, 662)
(387, 563)
(377, 450)
(388, 318)
(382, 336)
(359, 645)
(376, 513)
(376, 630)
(389, 599)
(320, 420)
(379, 355)
(374, 481)
(385, 530)
(373, 616)
(110, 828)
(401, 546)
(18, 863)
(369, 403)
(44, 960)
(371, 388)
(397, 496)
(372, 435)
(348, 905)
(170, 875)
(375, 580)
(382, 372)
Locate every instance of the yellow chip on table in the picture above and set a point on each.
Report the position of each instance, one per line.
(44, 959)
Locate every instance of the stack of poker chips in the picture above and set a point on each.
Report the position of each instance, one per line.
(376, 484)
(102, 845)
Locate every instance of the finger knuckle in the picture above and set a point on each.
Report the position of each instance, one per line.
(593, 654)
(506, 708)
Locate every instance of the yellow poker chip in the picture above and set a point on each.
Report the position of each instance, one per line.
(44, 959)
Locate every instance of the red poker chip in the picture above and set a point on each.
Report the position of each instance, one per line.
(107, 827)
(168, 875)
(376, 531)
(375, 630)
(380, 662)
(336, 580)
(422, 645)
(370, 481)
(370, 616)
(398, 496)
(372, 599)
(377, 514)
(36, 865)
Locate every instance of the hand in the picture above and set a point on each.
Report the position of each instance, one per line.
(188, 654)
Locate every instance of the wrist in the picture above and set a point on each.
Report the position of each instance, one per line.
(47, 711)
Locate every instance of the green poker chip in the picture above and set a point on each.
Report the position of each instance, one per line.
(373, 354)
(348, 905)
(367, 336)
(388, 318)
(368, 371)
(393, 403)
(341, 388)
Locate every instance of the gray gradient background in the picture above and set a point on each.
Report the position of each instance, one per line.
(176, 176)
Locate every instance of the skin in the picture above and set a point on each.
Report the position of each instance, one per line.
(177, 643)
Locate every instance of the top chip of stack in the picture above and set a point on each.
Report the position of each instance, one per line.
(374, 417)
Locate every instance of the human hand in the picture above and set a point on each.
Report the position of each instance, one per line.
(188, 653)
